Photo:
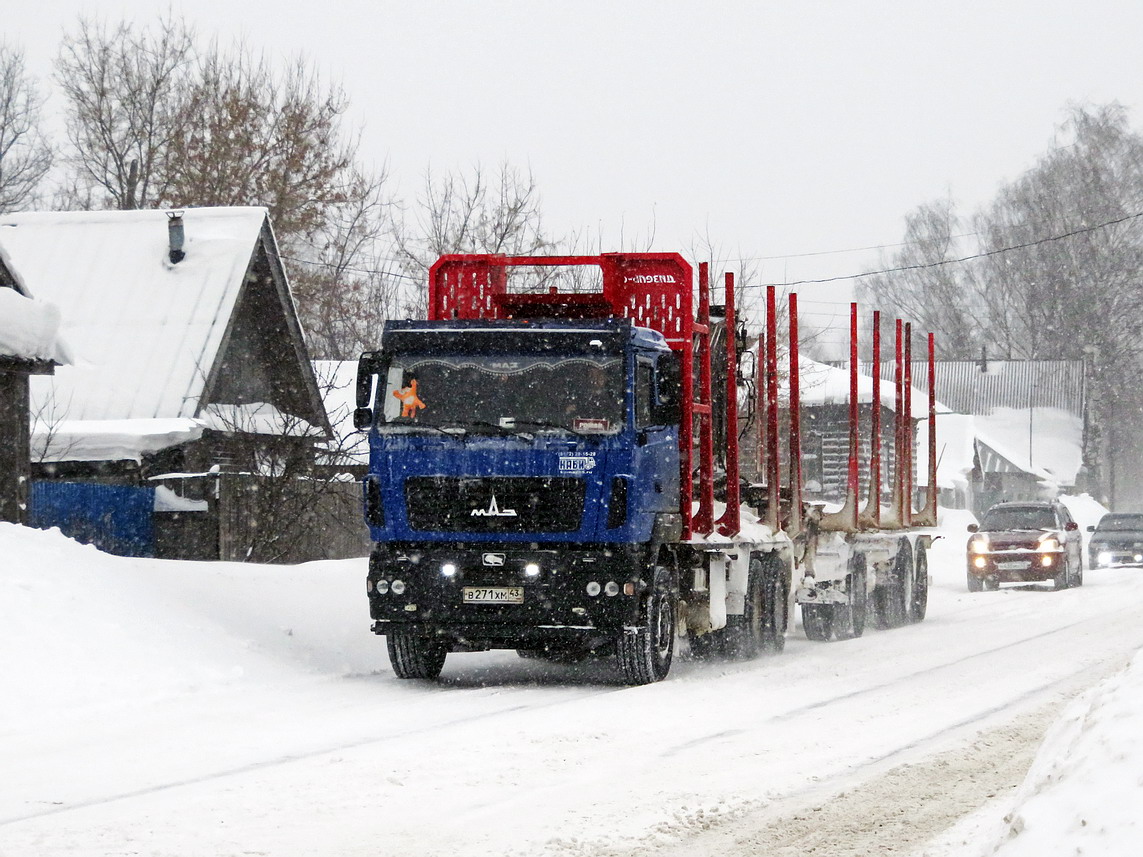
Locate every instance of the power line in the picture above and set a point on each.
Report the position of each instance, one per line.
(960, 260)
(919, 267)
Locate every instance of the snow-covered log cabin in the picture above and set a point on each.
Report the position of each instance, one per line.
(192, 394)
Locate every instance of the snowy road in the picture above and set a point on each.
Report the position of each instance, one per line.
(184, 708)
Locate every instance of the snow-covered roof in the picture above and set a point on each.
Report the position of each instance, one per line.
(144, 332)
(29, 329)
(1047, 442)
(108, 440)
(821, 384)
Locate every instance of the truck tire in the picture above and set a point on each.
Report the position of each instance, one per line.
(645, 652)
(414, 656)
(849, 618)
(919, 604)
(975, 584)
(891, 597)
(762, 625)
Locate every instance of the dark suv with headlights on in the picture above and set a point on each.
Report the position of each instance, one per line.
(1116, 540)
(1022, 542)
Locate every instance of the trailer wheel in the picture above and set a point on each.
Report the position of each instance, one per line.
(849, 618)
(645, 652)
(414, 656)
(919, 604)
(891, 598)
(777, 615)
(762, 626)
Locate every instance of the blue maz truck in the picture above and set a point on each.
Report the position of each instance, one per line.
(542, 472)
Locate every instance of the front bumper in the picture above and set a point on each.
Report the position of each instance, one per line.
(584, 593)
(1112, 556)
(1017, 566)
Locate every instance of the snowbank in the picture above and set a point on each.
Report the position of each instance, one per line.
(1084, 792)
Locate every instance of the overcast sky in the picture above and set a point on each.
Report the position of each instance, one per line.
(781, 132)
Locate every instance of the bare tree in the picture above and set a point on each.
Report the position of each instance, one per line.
(25, 155)
(472, 213)
(925, 285)
(250, 137)
(345, 283)
(125, 89)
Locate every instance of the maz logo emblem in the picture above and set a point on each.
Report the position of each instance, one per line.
(493, 559)
(493, 511)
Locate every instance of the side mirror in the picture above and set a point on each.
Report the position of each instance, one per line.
(1071, 526)
(972, 528)
(1091, 528)
(362, 418)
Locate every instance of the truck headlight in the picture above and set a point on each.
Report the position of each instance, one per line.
(978, 544)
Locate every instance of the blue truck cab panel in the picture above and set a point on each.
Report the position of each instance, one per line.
(519, 473)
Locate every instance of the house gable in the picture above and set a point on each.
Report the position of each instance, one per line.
(262, 357)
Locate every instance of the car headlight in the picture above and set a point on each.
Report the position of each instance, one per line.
(1050, 543)
(978, 544)
(1103, 558)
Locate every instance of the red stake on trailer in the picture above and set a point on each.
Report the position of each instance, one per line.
(730, 522)
(874, 507)
(703, 522)
(898, 380)
(773, 474)
(760, 401)
(852, 481)
(794, 527)
(908, 427)
(929, 518)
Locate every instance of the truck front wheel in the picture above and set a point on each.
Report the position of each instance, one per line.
(414, 656)
(645, 652)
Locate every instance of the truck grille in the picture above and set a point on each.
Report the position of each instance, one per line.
(507, 504)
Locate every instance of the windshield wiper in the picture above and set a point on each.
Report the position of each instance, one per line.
(410, 427)
(551, 425)
(507, 431)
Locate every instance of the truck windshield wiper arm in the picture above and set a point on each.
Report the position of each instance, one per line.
(485, 424)
(411, 426)
(551, 425)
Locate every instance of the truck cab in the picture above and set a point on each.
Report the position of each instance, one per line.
(522, 474)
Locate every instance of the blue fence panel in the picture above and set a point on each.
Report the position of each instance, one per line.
(118, 519)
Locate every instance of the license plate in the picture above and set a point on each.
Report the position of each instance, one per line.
(1013, 566)
(493, 594)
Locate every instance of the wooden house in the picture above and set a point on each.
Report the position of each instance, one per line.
(191, 383)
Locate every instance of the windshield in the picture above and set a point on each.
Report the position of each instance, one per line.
(1019, 518)
(525, 392)
(1121, 523)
